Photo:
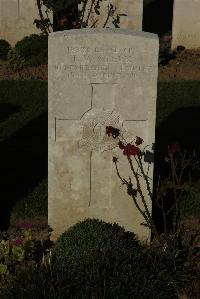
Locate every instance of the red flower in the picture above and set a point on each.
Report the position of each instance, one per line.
(175, 148)
(130, 150)
(109, 130)
(17, 242)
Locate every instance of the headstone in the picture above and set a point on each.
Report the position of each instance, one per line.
(130, 13)
(97, 78)
(186, 24)
(16, 19)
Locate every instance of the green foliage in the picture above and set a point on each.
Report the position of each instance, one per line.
(190, 203)
(175, 95)
(91, 236)
(33, 204)
(3, 269)
(29, 95)
(30, 51)
(15, 251)
(37, 282)
(4, 49)
(94, 259)
(104, 261)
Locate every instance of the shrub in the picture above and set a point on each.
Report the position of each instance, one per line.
(104, 261)
(30, 51)
(94, 259)
(4, 49)
(88, 238)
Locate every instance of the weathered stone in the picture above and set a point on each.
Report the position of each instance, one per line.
(16, 19)
(98, 78)
(186, 24)
(130, 13)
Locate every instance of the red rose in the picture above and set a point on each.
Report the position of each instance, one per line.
(130, 150)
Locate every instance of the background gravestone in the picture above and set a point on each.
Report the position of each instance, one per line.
(131, 14)
(16, 19)
(97, 78)
(186, 24)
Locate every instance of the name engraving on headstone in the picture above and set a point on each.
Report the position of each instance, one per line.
(102, 63)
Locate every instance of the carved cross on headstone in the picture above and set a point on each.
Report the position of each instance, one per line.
(90, 129)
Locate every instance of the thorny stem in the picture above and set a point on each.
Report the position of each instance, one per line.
(138, 186)
(108, 16)
(83, 11)
(142, 196)
(144, 176)
(41, 17)
(134, 197)
(90, 11)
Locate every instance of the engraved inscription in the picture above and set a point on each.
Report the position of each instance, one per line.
(102, 63)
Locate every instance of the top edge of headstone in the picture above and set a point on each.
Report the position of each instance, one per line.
(90, 31)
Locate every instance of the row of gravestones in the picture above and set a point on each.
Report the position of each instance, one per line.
(16, 19)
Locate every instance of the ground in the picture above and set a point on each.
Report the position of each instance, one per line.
(184, 66)
(7, 73)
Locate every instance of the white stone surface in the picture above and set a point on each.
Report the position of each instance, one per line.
(133, 9)
(16, 19)
(98, 78)
(186, 24)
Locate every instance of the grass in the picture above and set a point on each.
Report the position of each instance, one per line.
(175, 95)
(27, 99)
(23, 103)
(34, 204)
(23, 138)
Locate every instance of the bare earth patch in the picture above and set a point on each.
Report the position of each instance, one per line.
(185, 66)
(27, 73)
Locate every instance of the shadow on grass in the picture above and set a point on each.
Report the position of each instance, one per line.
(6, 110)
(182, 126)
(23, 164)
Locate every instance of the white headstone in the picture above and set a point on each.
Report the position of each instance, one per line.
(98, 78)
(16, 19)
(186, 24)
(130, 13)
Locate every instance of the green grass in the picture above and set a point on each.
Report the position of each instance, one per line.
(174, 95)
(35, 204)
(30, 96)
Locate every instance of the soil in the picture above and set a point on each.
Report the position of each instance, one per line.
(27, 73)
(183, 65)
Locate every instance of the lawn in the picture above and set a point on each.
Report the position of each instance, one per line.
(23, 137)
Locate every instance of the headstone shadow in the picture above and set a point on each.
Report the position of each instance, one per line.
(6, 110)
(23, 164)
(182, 126)
(157, 16)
